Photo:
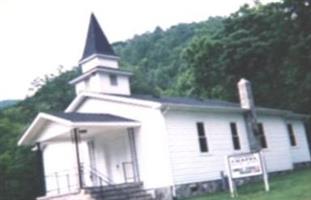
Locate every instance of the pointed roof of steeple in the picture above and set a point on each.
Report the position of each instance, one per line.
(96, 41)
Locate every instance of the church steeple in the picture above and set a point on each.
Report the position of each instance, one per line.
(100, 66)
(96, 41)
(97, 50)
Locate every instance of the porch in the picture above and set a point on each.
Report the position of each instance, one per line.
(83, 150)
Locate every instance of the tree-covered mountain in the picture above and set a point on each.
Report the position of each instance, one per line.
(18, 170)
(156, 58)
(268, 44)
(7, 103)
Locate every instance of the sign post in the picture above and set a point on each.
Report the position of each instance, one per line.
(265, 173)
(232, 188)
(245, 165)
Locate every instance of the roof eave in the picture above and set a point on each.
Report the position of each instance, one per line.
(30, 135)
(97, 55)
(297, 116)
(98, 70)
(84, 95)
(267, 111)
(105, 124)
(27, 133)
(203, 107)
(283, 113)
(37, 122)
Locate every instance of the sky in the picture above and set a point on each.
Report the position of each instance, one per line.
(38, 36)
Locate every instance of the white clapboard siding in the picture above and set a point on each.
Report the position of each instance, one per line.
(188, 163)
(151, 138)
(300, 152)
(277, 154)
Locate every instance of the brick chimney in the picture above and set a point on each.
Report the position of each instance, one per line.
(247, 103)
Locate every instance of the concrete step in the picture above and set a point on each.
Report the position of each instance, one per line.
(127, 191)
(116, 192)
(124, 197)
(123, 186)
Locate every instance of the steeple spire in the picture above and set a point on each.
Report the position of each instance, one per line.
(96, 41)
(100, 66)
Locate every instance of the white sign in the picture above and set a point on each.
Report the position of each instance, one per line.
(245, 165)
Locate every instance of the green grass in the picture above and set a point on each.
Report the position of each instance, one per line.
(293, 186)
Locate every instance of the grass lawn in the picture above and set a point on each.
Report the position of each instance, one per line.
(293, 186)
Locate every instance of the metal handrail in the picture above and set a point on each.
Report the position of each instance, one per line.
(98, 174)
(105, 179)
(64, 174)
(85, 170)
(61, 172)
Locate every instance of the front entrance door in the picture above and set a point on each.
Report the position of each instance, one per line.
(93, 177)
(128, 172)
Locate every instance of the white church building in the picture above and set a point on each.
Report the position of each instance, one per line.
(170, 147)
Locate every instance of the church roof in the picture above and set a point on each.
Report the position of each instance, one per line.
(157, 102)
(69, 120)
(179, 103)
(96, 41)
(90, 117)
(187, 101)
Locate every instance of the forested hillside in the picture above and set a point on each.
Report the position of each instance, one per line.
(268, 44)
(18, 169)
(7, 103)
(157, 58)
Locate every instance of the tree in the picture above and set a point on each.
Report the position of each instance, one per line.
(264, 44)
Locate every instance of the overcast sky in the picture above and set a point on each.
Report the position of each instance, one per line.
(37, 36)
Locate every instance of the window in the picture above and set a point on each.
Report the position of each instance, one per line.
(202, 137)
(87, 83)
(308, 132)
(235, 136)
(261, 136)
(113, 79)
(291, 135)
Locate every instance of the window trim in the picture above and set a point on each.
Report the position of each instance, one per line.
(235, 136)
(262, 136)
(291, 135)
(201, 134)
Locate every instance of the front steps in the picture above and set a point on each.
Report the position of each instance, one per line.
(126, 191)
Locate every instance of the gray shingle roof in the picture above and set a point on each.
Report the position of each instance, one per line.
(90, 117)
(96, 41)
(209, 103)
(187, 101)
